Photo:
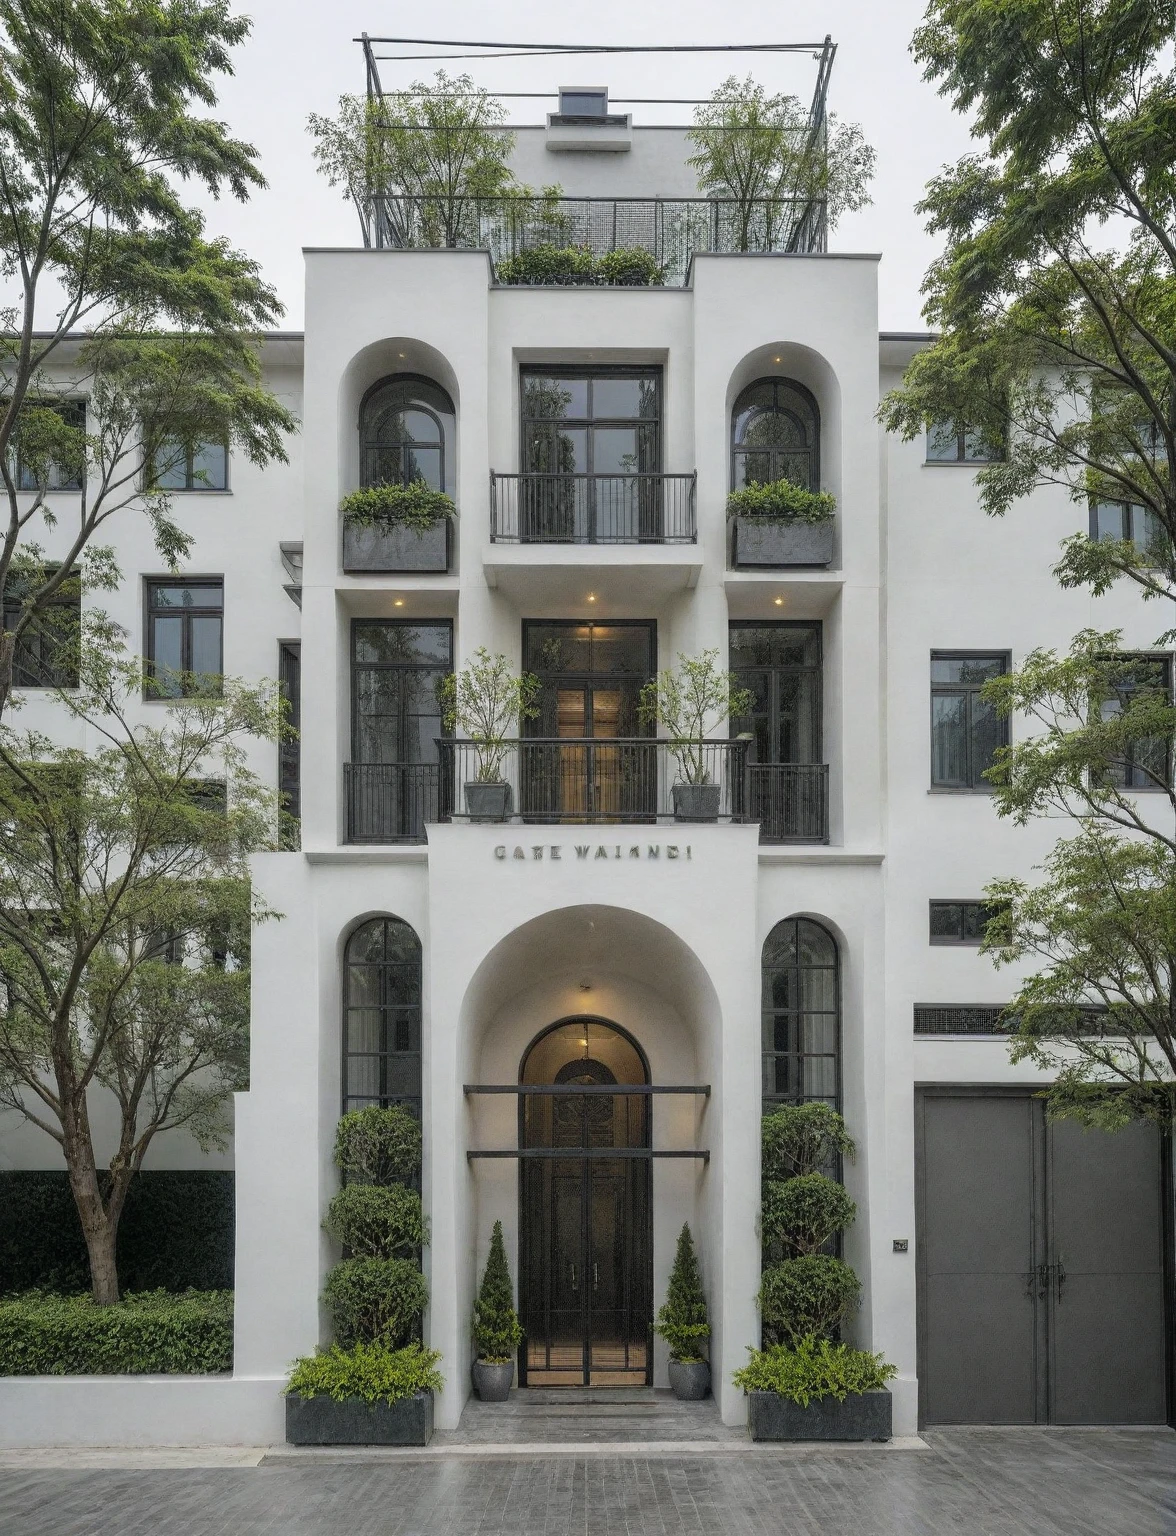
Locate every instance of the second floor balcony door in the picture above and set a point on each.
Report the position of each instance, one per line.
(591, 456)
(780, 664)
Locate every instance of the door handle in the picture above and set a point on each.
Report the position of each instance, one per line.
(1060, 1276)
(573, 1268)
(1043, 1281)
(595, 1276)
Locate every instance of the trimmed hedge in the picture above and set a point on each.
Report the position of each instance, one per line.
(372, 1372)
(149, 1334)
(815, 1369)
(176, 1233)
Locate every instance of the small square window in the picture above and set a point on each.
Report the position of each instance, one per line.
(960, 922)
(196, 467)
(950, 443)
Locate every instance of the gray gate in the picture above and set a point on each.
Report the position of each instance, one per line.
(1040, 1266)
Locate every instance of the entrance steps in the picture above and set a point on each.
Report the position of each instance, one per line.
(592, 1416)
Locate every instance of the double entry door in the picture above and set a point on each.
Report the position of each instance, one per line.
(1041, 1268)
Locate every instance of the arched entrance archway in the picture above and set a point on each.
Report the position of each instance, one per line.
(585, 1257)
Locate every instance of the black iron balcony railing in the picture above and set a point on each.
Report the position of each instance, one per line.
(790, 801)
(599, 779)
(672, 230)
(592, 509)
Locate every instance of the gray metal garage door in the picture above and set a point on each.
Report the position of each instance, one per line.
(1040, 1266)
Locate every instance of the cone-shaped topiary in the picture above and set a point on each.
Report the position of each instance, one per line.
(682, 1321)
(497, 1330)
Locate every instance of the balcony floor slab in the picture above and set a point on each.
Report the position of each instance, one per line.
(615, 575)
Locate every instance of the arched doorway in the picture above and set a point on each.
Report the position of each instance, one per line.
(585, 1255)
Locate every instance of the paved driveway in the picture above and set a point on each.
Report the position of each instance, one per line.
(1026, 1482)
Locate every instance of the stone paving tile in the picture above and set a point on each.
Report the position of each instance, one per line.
(970, 1483)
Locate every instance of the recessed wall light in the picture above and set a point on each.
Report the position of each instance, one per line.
(592, 597)
(403, 355)
(775, 359)
(779, 602)
(398, 602)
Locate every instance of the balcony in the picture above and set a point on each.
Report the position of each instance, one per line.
(638, 508)
(588, 780)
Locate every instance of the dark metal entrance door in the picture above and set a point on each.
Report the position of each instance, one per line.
(1040, 1254)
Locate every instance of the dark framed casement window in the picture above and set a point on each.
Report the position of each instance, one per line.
(1119, 520)
(185, 635)
(396, 665)
(801, 1015)
(960, 922)
(1147, 763)
(948, 443)
(55, 477)
(191, 467)
(406, 429)
(46, 655)
(965, 728)
(776, 435)
(382, 1016)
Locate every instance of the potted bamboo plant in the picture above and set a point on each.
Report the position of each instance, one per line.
(497, 1330)
(486, 700)
(682, 1322)
(396, 528)
(781, 524)
(685, 703)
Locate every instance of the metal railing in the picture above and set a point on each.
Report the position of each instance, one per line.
(790, 801)
(672, 230)
(390, 802)
(600, 779)
(639, 508)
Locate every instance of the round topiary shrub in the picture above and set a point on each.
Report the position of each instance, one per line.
(800, 1215)
(375, 1301)
(803, 1138)
(379, 1146)
(811, 1295)
(376, 1222)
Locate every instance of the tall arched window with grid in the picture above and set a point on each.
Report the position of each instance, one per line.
(801, 1015)
(382, 1016)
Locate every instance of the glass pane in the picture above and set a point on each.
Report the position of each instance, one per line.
(818, 1033)
(552, 452)
(208, 596)
(819, 1078)
(416, 427)
(363, 986)
(943, 442)
(751, 403)
(780, 946)
(367, 943)
(946, 920)
(549, 398)
(166, 639)
(1110, 520)
(210, 467)
(403, 1076)
(393, 643)
(974, 919)
(979, 449)
(382, 466)
(1149, 533)
(623, 649)
(966, 669)
(614, 450)
(988, 733)
(752, 469)
(206, 643)
(402, 984)
(558, 648)
(624, 397)
(949, 747)
(403, 945)
(170, 470)
(818, 990)
(363, 1077)
(363, 1029)
(423, 464)
(814, 945)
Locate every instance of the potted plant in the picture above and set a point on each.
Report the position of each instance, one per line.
(497, 1330)
(396, 528)
(804, 1384)
(781, 524)
(685, 703)
(486, 700)
(682, 1322)
(375, 1384)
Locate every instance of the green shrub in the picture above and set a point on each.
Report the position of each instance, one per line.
(379, 1146)
(682, 1320)
(376, 1222)
(369, 1371)
(414, 505)
(779, 501)
(375, 1301)
(810, 1295)
(815, 1368)
(803, 1138)
(548, 264)
(497, 1330)
(801, 1214)
(151, 1333)
(630, 266)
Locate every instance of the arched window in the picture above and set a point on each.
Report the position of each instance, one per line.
(406, 427)
(382, 1016)
(801, 1015)
(775, 435)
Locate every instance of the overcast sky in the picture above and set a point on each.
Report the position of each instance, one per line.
(301, 57)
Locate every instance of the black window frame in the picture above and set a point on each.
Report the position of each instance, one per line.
(290, 749)
(70, 405)
(976, 784)
(590, 372)
(1130, 765)
(549, 680)
(770, 1016)
(778, 382)
(30, 667)
(399, 666)
(191, 486)
(441, 411)
(392, 1014)
(1133, 513)
(813, 673)
(996, 453)
(941, 903)
(151, 611)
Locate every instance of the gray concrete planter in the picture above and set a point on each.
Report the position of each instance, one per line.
(756, 543)
(690, 1380)
(492, 1380)
(393, 547)
(862, 1416)
(488, 801)
(696, 802)
(323, 1421)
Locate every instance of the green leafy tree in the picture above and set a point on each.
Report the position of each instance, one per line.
(125, 912)
(1055, 294)
(696, 698)
(487, 700)
(682, 1319)
(1100, 925)
(762, 153)
(497, 1330)
(99, 126)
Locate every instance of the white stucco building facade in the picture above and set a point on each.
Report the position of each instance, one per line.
(657, 929)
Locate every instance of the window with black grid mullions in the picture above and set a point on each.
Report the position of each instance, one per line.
(961, 922)
(46, 655)
(801, 1015)
(1147, 762)
(382, 1016)
(185, 636)
(966, 729)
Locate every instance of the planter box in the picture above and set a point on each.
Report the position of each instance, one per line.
(862, 1416)
(696, 802)
(394, 548)
(323, 1421)
(488, 800)
(757, 543)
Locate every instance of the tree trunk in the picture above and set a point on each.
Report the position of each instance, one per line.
(99, 1221)
(100, 1246)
